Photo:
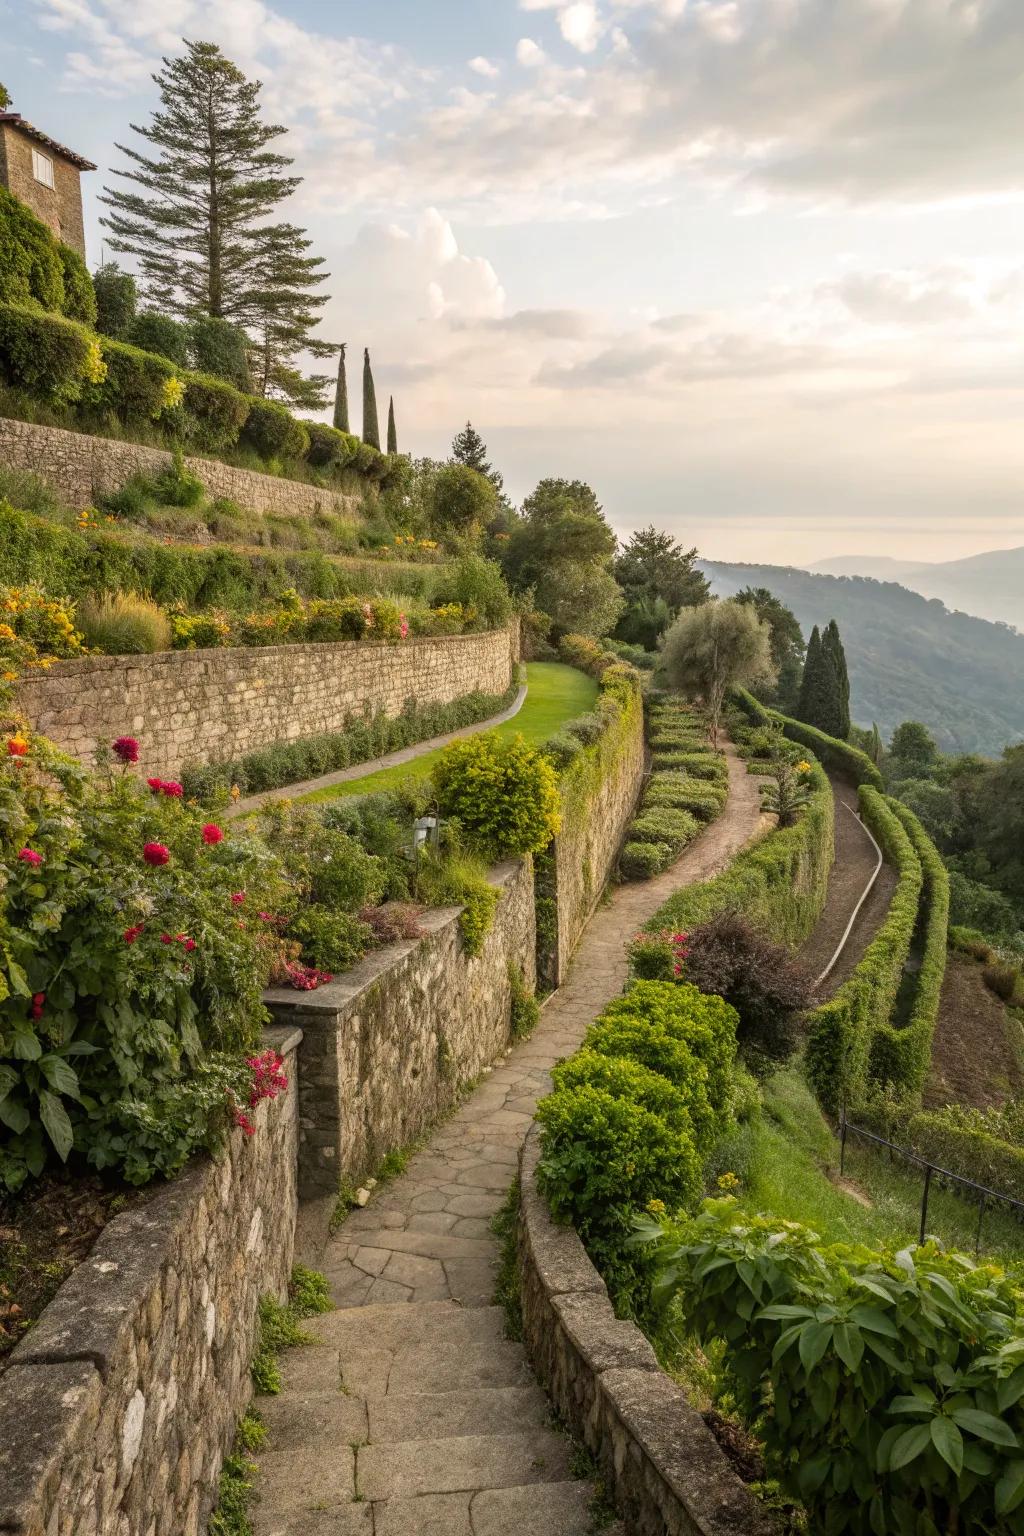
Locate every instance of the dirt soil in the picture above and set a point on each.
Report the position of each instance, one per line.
(855, 860)
(973, 1060)
(46, 1231)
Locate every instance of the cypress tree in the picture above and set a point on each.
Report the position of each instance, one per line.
(833, 645)
(341, 393)
(819, 690)
(392, 430)
(371, 426)
(875, 749)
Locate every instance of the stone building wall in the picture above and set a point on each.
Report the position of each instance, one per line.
(209, 706)
(119, 1405)
(59, 206)
(387, 1047)
(657, 1460)
(79, 468)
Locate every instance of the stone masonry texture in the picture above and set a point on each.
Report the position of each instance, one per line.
(80, 468)
(120, 1404)
(59, 206)
(196, 707)
(388, 1046)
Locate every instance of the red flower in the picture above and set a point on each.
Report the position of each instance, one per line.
(212, 833)
(237, 897)
(165, 938)
(156, 853)
(242, 1119)
(17, 746)
(171, 787)
(156, 785)
(127, 749)
(131, 934)
(38, 999)
(29, 856)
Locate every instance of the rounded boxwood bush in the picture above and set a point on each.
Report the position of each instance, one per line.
(639, 861)
(134, 388)
(329, 448)
(624, 1078)
(273, 431)
(662, 824)
(45, 355)
(215, 412)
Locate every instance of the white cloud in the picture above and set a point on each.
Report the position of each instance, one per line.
(529, 54)
(482, 66)
(580, 25)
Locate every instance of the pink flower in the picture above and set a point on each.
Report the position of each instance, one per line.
(127, 749)
(187, 943)
(29, 856)
(212, 833)
(171, 787)
(165, 938)
(131, 934)
(403, 626)
(266, 917)
(268, 1078)
(237, 897)
(156, 853)
(305, 978)
(156, 785)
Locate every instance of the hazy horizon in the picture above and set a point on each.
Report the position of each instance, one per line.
(753, 270)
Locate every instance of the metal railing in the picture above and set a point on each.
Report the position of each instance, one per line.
(969, 1188)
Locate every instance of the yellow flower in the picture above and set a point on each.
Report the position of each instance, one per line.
(171, 394)
(94, 369)
(656, 1207)
(728, 1181)
(235, 792)
(803, 766)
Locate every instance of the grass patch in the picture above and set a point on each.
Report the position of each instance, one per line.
(792, 1161)
(556, 694)
(506, 1285)
(236, 1487)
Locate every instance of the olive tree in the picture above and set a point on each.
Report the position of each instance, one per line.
(713, 648)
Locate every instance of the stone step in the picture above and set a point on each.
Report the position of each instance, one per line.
(464, 1463)
(448, 1415)
(536, 1509)
(390, 1328)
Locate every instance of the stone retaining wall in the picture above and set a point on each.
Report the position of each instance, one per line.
(210, 706)
(120, 1404)
(388, 1046)
(79, 469)
(659, 1462)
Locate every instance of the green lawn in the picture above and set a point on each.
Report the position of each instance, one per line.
(790, 1157)
(556, 694)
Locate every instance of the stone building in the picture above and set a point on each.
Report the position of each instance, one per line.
(46, 176)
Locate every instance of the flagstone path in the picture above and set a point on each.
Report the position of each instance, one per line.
(412, 1414)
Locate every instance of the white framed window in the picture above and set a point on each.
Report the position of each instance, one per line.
(42, 168)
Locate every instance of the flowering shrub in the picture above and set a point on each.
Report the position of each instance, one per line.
(658, 956)
(35, 630)
(130, 985)
(268, 1082)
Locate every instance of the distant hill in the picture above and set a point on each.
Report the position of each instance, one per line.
(990, 585)
(909, 657)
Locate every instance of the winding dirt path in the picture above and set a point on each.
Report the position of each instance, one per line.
(412, 1414)
(854, 865)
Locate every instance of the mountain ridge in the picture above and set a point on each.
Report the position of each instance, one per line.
(989, 585)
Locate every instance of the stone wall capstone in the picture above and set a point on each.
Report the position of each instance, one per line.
(387, 1047)
(659, 1462)
(79, 468)
(197, 707)
(119, 1406)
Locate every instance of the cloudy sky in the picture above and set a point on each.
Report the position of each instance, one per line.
(753, 268)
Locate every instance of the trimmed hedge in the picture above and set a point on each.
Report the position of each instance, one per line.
(779, 884)
(851, 762)
(946, 1137)
(291, 762)
(901, 1055)
(677, 799)
(841, 1031)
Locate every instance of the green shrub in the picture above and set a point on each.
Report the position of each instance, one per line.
(624, 1078)
(778, 883)
(214, 412)
(122, 624)
(969, 941)
(895, 1384)
(198, 632)
(642, 861)
(79, 296)
(329, 448)
(700, 797)
(841, 1032)
(158, 333)
(273, 431)
(219, 349)
(116, 300)
(30, 265)
(135, 387)
(973, 1143)
(562, 750)
(177, 486)
(729, 958)
(524, 1010)
(331, 941)
(838, 755)
(662, 824)
(45, 355)
(28, 491)
(456, 878)
(504, 793)
(477, 585)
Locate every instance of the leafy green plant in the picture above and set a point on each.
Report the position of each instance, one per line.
(888, 1391)
(458, 878)
(236, 1487)
(641, 861)
(123, 624)
(524, 1010)
(503, 792)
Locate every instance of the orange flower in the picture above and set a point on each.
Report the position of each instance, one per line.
(17, 746)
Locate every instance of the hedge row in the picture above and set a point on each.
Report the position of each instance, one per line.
(361, 740)
(901, 1056)
(779, 884)
(957, 1138)
(842, 1030)
(688, 791)
(71, 563)
(92, 380)
(851, 762)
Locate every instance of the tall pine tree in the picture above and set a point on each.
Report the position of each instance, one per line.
(392, 429)
(469, 448)
(371, 426)
(832, 643)
(197, 216)
(341, 393)
(819, 691)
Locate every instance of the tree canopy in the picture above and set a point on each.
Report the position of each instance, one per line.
(787, 643)
(713, 648)
(654, 565)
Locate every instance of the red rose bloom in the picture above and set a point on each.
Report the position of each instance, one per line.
(131, 934)
(156, 785)
(171, 787)
(127, 749)
(29, 856)
(156, 853)
(212, 833)
(165, 938)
